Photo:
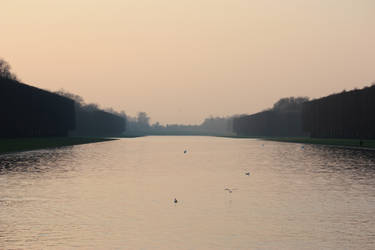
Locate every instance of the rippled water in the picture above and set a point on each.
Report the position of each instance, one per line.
(119, 195)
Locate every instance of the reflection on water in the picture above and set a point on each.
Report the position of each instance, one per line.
(120, 194)
(34, 161)
(353, 163)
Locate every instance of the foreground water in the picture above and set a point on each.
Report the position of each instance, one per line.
(119, 195)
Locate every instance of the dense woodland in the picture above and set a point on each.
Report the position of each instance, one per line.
(284, 119)
(27, 111)
(345, 115)
(92, 121)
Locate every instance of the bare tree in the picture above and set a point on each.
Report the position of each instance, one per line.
(289, 103)
(5, 70)
(78, 99)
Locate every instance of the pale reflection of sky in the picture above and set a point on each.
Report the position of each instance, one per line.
(119, 195)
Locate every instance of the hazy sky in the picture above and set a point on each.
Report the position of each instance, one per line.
(183, 60)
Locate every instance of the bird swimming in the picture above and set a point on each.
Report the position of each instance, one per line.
(230, 190)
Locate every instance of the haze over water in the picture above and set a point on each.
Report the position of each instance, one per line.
(119, 195)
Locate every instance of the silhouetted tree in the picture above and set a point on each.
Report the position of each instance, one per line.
(349, 114)
(217, 125)
(289, 103)
(27, 111)
(143, 120)
(284, 119)
(78, 99)
(93, 121)
(5, 70)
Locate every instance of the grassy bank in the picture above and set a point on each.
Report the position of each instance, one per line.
(25, 144)
(328, 141)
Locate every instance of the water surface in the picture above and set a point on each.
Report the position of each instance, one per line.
(119, 195)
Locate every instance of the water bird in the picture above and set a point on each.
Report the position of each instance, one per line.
(248, 173)
(230, 190)
(175, 200)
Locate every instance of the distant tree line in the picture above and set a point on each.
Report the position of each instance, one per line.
(210, 126)
(284, 119)
(345, 115)
(140, 125)
(93, 121)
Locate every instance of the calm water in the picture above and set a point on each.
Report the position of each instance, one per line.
(119, 195)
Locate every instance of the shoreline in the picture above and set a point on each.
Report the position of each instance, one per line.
(28, 144)
(347, 143)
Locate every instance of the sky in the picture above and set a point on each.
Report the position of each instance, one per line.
(184, 60)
